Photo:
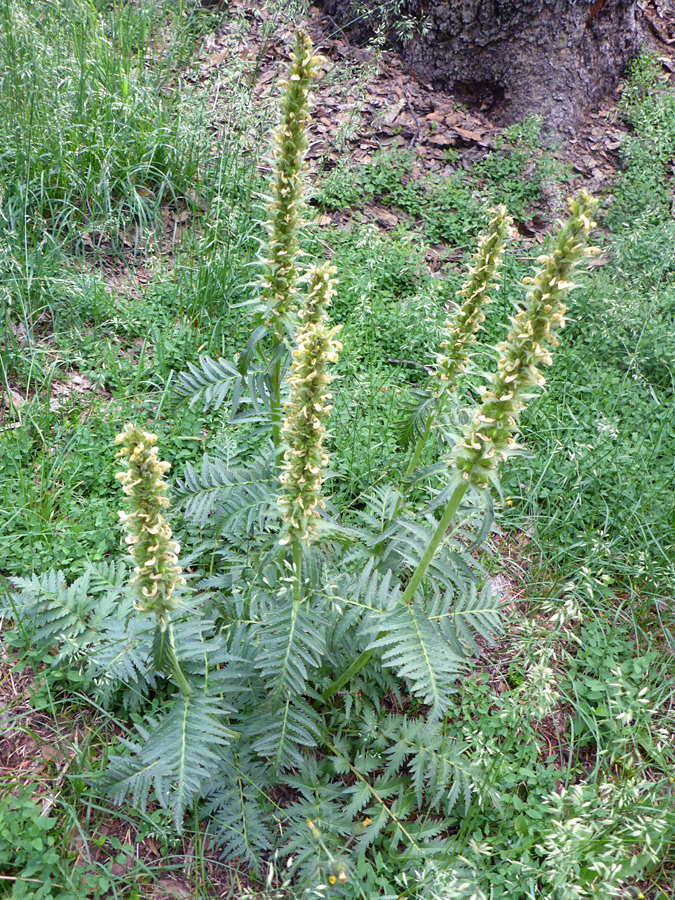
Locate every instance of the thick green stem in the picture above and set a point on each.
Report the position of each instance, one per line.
(275, 411)
(417, 452)
(436, 410)
(360, 661)
(413, 584)
(297, 571)
(434, 543)
(419, 446)
(165, 657)
(412, 464)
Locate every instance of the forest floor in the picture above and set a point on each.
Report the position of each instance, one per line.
(366, 103)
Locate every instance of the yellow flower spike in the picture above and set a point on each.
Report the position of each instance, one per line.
(332, 879)
(157, 572)
(303, 431)
(278, 286)
(465, 321)
(490, 437)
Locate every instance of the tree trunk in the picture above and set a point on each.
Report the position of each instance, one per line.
(513, 58)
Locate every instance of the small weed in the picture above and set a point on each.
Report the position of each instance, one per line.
(516, 172)
(447, 208)
(642, 189)
(31, 858)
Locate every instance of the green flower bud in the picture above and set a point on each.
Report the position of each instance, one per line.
(149, 537)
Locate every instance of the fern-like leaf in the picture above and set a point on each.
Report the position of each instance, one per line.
(239, 499)
(416, 411)
(472, 614)
(54, 609)
(211, 382)
(440, 769)
(120, 662)
(283, 729)
(179, 757)
(236, 809)
(108, 576)
(416, 649)
(292, 642)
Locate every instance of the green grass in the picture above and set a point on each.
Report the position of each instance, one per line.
(83, 185)
(94, 142)
(108, 140)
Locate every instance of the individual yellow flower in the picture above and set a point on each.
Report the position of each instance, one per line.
(490, 437)
(313, 830)
(149, 539)
(307, 408)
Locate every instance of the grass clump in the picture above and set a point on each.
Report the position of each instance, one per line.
(96, 146)
(602, 431)
(649, 109)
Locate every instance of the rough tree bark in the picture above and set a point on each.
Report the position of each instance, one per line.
(511, 58)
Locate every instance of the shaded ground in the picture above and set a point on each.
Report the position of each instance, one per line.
(366, 102)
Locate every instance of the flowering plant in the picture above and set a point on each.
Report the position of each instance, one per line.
(316, 655)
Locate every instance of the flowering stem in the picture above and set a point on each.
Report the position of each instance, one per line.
(278, 285)
(297, 571)
(166, 660)
(467, 318)
(490, 437)
(307, 408)
(462, 326)
(275, 413)
(157, 572)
